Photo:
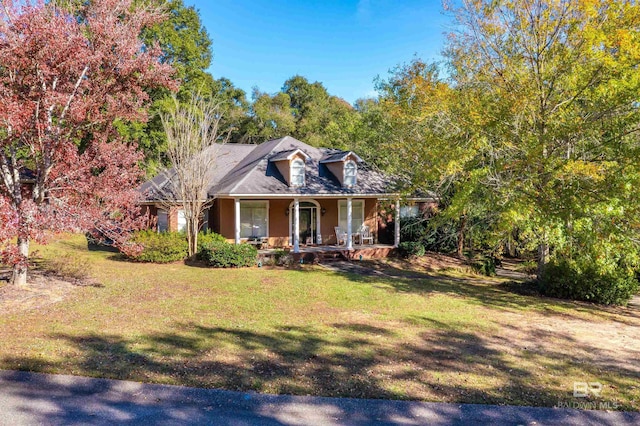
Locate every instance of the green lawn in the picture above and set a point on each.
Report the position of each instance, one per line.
(436, 337)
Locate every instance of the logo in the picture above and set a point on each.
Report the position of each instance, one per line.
(584, 389)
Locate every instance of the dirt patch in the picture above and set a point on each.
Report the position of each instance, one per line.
(40, 291)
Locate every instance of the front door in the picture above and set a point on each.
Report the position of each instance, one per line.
(308, 222)
(306, 228)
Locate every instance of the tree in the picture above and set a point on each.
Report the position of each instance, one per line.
(186, 46)
(271, 117)
(65, 80)
(553, 89)
(192, 130)
(321, 119)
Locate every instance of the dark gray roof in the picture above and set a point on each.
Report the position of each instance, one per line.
(334, 157)
(248, 170)
(287, 155)
(228, 156)
(256, 175)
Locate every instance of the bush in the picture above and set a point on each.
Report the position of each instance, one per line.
(485, 266)
(584, 279)
(163, 247)
(441, 238)
(225, 255)
(411, 248)
(207, 237)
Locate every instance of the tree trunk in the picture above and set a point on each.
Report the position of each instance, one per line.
(543, 258)
(192, 235)
(19, 277)
(461, 229)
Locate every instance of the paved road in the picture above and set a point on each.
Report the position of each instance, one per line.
(31, 398)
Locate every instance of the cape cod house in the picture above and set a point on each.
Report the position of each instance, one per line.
(285, 193)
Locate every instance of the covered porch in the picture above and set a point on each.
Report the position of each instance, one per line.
(306, 223)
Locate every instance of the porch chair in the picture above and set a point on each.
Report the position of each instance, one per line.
(365, 235)
(341, 236)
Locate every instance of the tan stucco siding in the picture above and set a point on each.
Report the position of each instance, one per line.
(226, 217)
(279, 222)
(330, 219)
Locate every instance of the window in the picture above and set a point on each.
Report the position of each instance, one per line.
(411, 210)
(357, 214)
(163, 220)
(182, 221)
(254, 219)
(297, 172)
(350, 171)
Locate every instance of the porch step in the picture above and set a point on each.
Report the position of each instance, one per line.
(330, 256)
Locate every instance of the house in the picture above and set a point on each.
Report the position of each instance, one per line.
(287, 193)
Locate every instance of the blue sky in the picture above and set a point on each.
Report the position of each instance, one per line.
(343, 44)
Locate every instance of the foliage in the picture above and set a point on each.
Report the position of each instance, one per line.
(186, 46)
(303, 110)
(485, 266)
(551, 104)
(411, 248)
(65, 80)
(432, 233)
(194, 135)
(226, 255)
(584, 278)
(209, 237)
(160, 247)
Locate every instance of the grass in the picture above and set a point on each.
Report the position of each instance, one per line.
(401, 334)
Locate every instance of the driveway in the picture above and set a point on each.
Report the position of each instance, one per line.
(32, 398)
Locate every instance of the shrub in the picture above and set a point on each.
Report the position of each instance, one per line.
(226, 255)
(584, 279)
(411, 248)
(160, 247)
(208, 237)
(485, 266)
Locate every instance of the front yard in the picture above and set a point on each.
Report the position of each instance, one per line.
(437, 336)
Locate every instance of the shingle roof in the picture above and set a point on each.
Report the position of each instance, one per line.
(288, 155)
(334, 157)
(248, 170)
(228, 156)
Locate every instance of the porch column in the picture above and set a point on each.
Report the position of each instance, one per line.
(237, 220)
(296, 225)
(318, 220)
(349, 223)
(396, 234)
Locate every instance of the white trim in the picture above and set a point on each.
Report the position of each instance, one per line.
(350, 222)
(236, 221)
(296, 225)
(268, 208)
(318, 220)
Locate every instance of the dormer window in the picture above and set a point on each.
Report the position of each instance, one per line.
(297, 172)
(350, 173)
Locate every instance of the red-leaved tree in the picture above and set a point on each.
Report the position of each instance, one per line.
(64, 79)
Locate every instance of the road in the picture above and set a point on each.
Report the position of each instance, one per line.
(32, 398)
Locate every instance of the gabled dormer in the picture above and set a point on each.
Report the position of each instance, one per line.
(344, 166)
(291, 165)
